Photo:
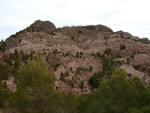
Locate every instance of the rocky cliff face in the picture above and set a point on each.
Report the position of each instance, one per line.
(76, 53)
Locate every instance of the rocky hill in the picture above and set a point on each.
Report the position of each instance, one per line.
(79, 53)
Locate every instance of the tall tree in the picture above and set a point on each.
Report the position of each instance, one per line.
(35, 88)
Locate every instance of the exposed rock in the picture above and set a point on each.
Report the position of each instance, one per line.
(124, 33)
(145, 40)
(42, 26)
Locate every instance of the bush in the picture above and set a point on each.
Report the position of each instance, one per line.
(81, 84)
(3, 46)
(137, 67)
(107, 51)
(16, 53)
(129, 75)
(72, 38)
(98, 54)
(52, 33)
(133, 54)
(146, 109)
(71, 83)
(79, 32)
(56, 66)
(95, 79)
(66, 73)
(17, 63)
(133, 110)
(62, 77)
(90, 68)
(79, 69)
(118, 56)
(122, 47)
(4, 72)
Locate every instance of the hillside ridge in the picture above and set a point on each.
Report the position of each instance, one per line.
(78, 53)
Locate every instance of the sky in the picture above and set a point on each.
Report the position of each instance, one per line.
(128, 15)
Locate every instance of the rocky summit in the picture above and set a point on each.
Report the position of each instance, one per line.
(79, 53)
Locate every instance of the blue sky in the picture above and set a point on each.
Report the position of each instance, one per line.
(127, 15)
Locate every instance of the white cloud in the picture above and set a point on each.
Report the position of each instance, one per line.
(128, 15)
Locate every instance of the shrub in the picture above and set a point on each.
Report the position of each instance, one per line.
(72, 38)
(52, 33)
(79, 32)
(122, 47)
(129, 75)
(137, 67)
(133, 110)
(66, 73)
(16, 53)
(133, 54)
(71, 83)
(17, 63)
(107, 51)
(71, 69)
(20, 40)
(146, 109)
(47, 59)
(56, 66)
(81, 53)
(119, 56)
(98, 54)
(95, 79)
(62, 77)
(90, 68)
(81, 84)
(79, 69)
(143, 69)
(55, 51)
(4, 71)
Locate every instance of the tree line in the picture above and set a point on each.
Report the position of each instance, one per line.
(36, 93)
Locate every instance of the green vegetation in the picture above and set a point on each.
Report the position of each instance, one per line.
(72, 38)
(79, 32)
(108, 65)
(52, 33)
(56, 66)
(66, 73)
(117, 95)
(133, 54)
(36, 93)
(4, 71)
(35, 88)
(106, 37)
(95, 80)
(129, 75)
(2, 46)
(90, 68)
(81, 84)
(79, 54)
(55, 51)
(90, 27)
(118, 56)
(98, 54)
(107, 51)
(71, 83)
(122, 47)
(137, 67)
(79, 69)
(62, 77)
